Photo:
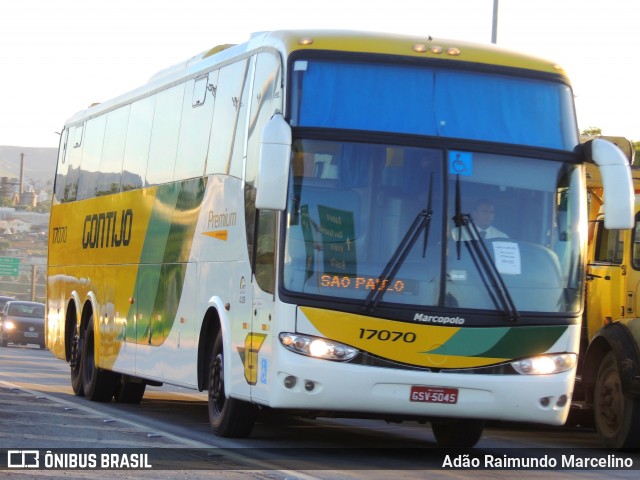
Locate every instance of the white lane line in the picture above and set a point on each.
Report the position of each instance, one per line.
(187, 442)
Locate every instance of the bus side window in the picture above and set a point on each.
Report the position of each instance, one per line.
(164, 135)
(136, 151)
(91, 156)
(265, 250)
(195, 127)
(266, 101)
(609, 246)
(73, 158)
(115, 136)
(636, 245)
(229, 120)
(63, 167)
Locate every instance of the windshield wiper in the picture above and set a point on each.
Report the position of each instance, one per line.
(420, 224)
(479, 253)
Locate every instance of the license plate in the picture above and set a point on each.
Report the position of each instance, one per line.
(31, 334)
(421, 393)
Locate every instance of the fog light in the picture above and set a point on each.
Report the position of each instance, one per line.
(309, 385)
(562, 401)
(544, 401)
(290, 381)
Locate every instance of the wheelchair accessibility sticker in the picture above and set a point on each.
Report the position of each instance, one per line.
(460, 163)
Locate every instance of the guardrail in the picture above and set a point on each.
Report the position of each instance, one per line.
(30, 282)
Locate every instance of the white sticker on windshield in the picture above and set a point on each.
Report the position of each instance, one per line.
(507, 258)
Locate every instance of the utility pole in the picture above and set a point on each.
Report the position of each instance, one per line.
(21, 187)
(494, 24)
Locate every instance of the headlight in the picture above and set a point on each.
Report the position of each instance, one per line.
(317, 347)
(9, 325)
(545, 364)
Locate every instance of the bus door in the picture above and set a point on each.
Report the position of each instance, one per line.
(265, 100)
(263, 304)
(607, 276)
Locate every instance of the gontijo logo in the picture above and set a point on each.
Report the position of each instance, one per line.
(107, 229)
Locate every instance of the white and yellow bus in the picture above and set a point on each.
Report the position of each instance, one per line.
(288, 224)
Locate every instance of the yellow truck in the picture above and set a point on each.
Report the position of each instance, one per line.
(607, 389)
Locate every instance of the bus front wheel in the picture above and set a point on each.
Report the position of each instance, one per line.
(616, 415)
(457, 433)
(229, 417)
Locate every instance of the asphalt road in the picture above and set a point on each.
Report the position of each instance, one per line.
(40, 413)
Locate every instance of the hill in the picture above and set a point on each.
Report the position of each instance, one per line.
(39, 163)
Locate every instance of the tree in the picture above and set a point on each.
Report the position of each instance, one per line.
(592, 132)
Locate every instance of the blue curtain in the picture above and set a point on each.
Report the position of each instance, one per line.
(367, 97)
(426, 101)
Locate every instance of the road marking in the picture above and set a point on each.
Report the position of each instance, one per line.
(185, 442)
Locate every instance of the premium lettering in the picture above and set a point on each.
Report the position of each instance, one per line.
(218, 220)
(107, 229)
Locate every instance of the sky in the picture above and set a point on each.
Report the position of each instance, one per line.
(58, 57)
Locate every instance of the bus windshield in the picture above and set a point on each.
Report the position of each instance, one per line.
(435, 102)
(352, 204)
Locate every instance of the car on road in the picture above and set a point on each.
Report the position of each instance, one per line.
(22, 322)
(3, 301)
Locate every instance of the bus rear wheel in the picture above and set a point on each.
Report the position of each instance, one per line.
(457, 433)
(99, 385)
(616, 415)
(229, 417)
(75, 365)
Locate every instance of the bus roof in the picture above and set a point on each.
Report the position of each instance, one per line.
(289, 41)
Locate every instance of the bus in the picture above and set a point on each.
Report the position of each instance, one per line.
(287, 225)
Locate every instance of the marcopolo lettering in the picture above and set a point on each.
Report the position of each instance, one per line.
(107, 229)
(421, 317)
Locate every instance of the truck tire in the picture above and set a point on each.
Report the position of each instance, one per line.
(616, 414)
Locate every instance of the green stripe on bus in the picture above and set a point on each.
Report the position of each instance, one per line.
(164, 258)
(502, 342)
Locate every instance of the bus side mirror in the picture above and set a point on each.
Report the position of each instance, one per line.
(273, 165)
(617, 183)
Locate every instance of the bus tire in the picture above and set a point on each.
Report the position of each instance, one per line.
(75, 363)
(229, 417)
(127, 391)
(99, 384)
(616, 414)
(457, 433)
